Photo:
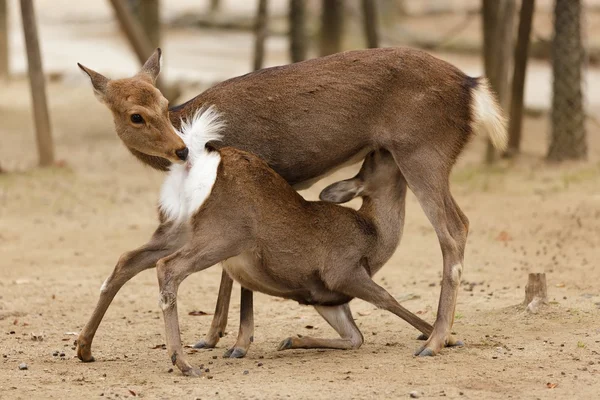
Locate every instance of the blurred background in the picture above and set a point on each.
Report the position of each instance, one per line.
(72, 198)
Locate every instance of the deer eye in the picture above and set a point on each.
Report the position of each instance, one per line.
(137, 119)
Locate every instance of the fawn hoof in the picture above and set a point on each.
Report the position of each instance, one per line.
(425, 352)
(285, 344)
(84, 352)
(235, 352)
(423, 336)
(192, 372)
(203, 344)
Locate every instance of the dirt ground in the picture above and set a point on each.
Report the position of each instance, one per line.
(62, 230)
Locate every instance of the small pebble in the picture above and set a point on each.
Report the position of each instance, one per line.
(259, 364)
(414, 394)
(23, 366)
(62, 354)
(246, 372)
(207, 370)
(55, 354)
(170, 370)
(214, 357)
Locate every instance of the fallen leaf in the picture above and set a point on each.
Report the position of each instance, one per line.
(198, 313)
(560, 285)
(364, 313)
(159, 346)
(132, 392)
(503, 237)
(309, 327)
(551, 385)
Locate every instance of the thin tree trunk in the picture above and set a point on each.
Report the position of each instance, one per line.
(134, 31)
(298, 37)
(37, 84)
(260, 32)
(332, 27)
(3, 40)
(369, 9)
(518, 80)
(149, 17)
(498, 33)
(215, 5)
(568, 116)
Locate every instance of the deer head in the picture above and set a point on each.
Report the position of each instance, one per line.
(379, 177)
(140, 111)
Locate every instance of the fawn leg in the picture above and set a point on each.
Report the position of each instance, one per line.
(246, 332)
(171, 271)
(219, 322)
(166, 240)
(340, 319)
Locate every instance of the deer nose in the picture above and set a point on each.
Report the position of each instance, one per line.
(182, 153)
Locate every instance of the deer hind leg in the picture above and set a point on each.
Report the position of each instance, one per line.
(427, 176)
(166, 240)
(246, 332)
(219, 322)
(340, 319)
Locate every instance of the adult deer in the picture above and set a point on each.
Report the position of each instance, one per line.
(304, 120)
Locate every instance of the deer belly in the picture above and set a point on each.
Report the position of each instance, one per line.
(247, 270)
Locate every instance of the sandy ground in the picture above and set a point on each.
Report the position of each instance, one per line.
(62, 230)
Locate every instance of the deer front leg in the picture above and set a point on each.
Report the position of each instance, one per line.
(164, 242)
(171, 271)
(246, 332)
(219, 322)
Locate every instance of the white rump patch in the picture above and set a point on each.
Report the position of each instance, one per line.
(188, 185)
(488, 117)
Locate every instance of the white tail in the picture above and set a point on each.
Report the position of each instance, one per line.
(488, 116)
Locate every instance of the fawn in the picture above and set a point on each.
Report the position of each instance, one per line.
(305, 120)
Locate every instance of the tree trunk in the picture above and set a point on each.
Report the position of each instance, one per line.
(518, 80)
(260, 32)
(37, 83)
(369, 10)
(3, 40)
(332, 27)
(568, 139)
(149, 17)
(215, 6)
(298, 37)
(498, 35)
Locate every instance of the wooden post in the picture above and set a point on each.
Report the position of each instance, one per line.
(215, 6)
(536, 292)
(37, 84)
(3, 40)
(518, 82)
(370, 24)
(142, 46)
(260, 32)
(298, 37)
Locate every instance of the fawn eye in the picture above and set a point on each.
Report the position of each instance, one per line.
(137, 119)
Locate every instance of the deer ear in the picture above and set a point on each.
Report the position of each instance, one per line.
(151, 67)
(99, 82)
(341, 192)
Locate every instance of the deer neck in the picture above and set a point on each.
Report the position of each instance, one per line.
(386, 211)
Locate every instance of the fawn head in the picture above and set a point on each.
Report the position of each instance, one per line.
(379, 175)
(140, 111)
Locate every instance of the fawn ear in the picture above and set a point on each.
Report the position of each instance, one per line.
(151, 67)
(99, 82)
(343, 191)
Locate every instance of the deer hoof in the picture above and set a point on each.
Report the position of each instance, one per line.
(235, 352)
(203, 344)
(424, 352)
(84, 353)
(285, 344)
(192, 372)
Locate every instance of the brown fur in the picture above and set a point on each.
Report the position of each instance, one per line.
(276, 242)
(308, 118)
